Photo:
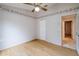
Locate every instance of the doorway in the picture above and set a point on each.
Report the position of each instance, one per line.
(68, 31)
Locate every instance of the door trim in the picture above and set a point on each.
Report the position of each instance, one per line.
(69, 18)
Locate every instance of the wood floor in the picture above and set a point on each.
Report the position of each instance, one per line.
(38, 48)
(69, 42)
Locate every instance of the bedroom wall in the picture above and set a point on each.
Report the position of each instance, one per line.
(15, 29)
(77, 32)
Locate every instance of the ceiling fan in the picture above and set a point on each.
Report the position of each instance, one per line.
(38, 6)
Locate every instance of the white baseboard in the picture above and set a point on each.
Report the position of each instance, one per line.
(15, 44)
(59, 44)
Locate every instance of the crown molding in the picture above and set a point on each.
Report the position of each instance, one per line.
(61, 11)
(16, 10)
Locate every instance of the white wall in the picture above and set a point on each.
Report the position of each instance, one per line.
(77, 32)
(15, 29)
(53, 29)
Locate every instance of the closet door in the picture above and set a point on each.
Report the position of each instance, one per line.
(43, 29)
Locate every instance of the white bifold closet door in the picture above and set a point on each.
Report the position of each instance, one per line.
(42, 29)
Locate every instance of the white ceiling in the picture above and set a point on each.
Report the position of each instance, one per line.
(25, 6)
(29, 8)
(52, 7)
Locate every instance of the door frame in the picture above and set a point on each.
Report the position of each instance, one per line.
(68, 18)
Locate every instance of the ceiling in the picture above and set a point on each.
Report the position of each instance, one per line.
(25, 6)
(29, 8)
(52, 7)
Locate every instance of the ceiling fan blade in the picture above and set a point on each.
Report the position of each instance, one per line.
(32, 4)
(28, 3)
(43, 8)
(33, 10)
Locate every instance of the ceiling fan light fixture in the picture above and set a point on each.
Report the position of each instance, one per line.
(37, 9)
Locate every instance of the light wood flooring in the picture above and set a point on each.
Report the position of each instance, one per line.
(38, 48)
(69, 42)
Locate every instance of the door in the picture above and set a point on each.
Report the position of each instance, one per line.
(43, 29)
(68, 29)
